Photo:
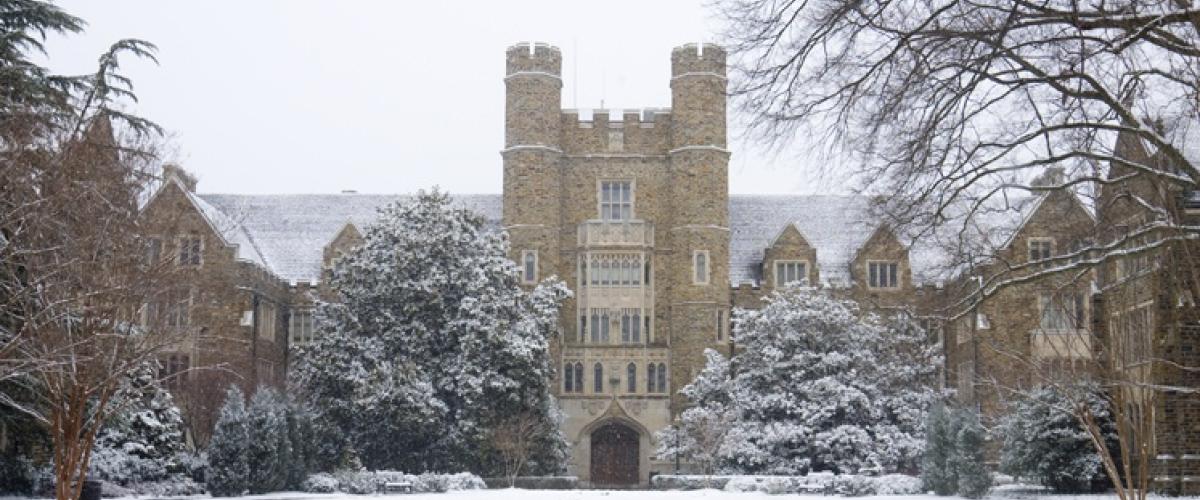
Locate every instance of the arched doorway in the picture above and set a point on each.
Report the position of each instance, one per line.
(615, 455)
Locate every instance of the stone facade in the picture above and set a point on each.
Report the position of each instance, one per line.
(632, 211)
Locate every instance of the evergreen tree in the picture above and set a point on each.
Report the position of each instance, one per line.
(974, 481)
(1044, 440)
(432, 344)
(937, 474)
(143, 440)
(229, 468)
(823, 385)
(269, 448)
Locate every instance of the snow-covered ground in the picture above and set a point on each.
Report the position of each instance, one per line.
(1002, 493)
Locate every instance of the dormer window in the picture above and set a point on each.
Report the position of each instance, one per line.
(190, 248)
(790, 271)
(883, 274)
(1040, 249)
(616, 200)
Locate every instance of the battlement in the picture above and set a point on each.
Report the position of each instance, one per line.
(589, 118)
(533, 57)
(698, 58)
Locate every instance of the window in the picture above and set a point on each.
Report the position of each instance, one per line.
(966, 380)
(790, 271)
(1135, 331)
(578, 377)
(616, 200)
(1040, 249)
(615, 270)
(982, 322)
(300, 329)
(650, 378)
(529, 263)
(598, 376)
(631, 378)
(662, 377)
(190, 248)
(933, 330)
(570, 383)
(583, 274)
(173, 310)
(1062, 311)
(631, 326)
(600, 325)
(882, 275)
(266, 320)
(154, 249)
(700, 267)
(265, 371)
(720, 325)
(582, 329)
(174, 370)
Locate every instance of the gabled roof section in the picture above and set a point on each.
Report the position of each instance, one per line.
(291, 231)
(784, 230)
(230, 231)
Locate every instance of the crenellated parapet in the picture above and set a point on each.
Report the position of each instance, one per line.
(616, 132)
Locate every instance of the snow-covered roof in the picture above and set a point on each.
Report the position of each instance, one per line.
(287, 234)
(292, 231)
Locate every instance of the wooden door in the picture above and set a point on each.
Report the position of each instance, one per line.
(615, 456)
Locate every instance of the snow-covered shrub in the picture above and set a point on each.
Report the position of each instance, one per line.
(142, 441)
(433, 344)
(897, 484)
(228, 466)
(320, 483)
(855, 486)
(367, 482)
(820, 385)
(688, 482)
(1043, 440)
(974, 481)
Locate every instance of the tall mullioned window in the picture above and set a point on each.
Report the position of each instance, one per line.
(790, 271)
(300, 329)
(598, 378)
(616, 200)
(700, 267)
(631, 326)
(529, 266)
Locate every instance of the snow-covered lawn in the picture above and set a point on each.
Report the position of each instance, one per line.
(1001, 493)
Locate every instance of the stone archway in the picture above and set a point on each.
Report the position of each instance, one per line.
(615, 455)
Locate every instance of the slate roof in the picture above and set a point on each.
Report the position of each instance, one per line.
(291, 231)
(287, 234)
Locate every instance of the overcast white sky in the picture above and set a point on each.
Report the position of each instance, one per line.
(385, 97)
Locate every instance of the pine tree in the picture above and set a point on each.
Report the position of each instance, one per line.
(270, 448)
(142, 442)
(974, 481)
(229, 468)
(937, 474)
(432, 344)
(1044, 440)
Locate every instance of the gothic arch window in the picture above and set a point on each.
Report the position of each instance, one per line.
(631, 375)
(662, 377)
(598, 376)
(578, 377)
(529, 264)
(568, 378)
(650, 371)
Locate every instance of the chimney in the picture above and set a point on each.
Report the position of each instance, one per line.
(172, 170)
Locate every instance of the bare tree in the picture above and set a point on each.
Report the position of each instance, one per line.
(81, 305)
(515, 439)
(954, 108)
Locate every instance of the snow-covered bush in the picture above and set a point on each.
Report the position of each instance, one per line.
(228, 466)
(897, 484)
(855, 486)
(1043, 440)
(321, 483)
(432, 344)
(820, 385)
(270, 447)
(367, 482)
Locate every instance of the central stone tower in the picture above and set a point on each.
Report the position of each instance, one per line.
(631, 210)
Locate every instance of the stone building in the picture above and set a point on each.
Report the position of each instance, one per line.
(632, 210)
